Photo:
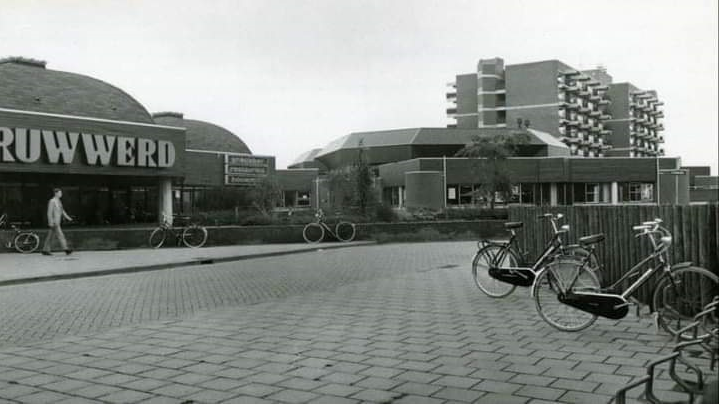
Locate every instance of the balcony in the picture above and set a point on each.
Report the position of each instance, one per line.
(571, 140)
(451, 95)
(570, 105)
(605, 117)
(451, 111)
(604, 102)
(595, 113)
(584, 109)
(584, 93)
(572, 88)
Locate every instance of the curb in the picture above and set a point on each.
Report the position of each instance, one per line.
(187, 263)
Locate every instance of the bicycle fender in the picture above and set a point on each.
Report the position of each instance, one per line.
(681, 265)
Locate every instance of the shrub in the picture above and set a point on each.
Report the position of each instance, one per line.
(385, 213)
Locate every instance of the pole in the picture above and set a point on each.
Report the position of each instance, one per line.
(444, 177)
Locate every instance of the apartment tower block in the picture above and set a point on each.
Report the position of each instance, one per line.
(591, 115)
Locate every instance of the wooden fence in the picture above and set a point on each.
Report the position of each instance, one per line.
(694, 228)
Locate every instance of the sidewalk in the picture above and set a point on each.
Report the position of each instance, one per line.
(21, 269)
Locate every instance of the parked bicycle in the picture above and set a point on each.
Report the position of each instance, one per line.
(192, 235)
(498, 267)
(682, 292)
(22, 241)
(314, 232)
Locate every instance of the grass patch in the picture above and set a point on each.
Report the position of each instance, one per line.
(423, 235)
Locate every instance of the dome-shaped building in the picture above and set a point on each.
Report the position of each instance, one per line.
(115, 162)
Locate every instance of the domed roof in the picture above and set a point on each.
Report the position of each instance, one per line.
(25, 84)
(201, 135)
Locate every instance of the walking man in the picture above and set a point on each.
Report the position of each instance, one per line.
(55, 213)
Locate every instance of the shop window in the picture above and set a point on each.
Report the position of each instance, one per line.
(465, 195)
(526, 193)
(303, 199)
(637, 192)
(452, 195)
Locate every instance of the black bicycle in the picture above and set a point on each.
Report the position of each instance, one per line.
(22, 241)
(314, 232)
(564, 302)
(498, 268)
(192, 235)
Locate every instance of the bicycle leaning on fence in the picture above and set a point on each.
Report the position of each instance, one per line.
(498, 268)
(22, 241)
(314, 232)
(192, 235)
(678, 296)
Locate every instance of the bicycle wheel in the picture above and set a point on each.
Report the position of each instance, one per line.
(554, 279)
(26, 242)
(345, 231)
(157, 237)
(313, 233)
(681, 295)
(579, 254)
(194, 236)
(480, 270)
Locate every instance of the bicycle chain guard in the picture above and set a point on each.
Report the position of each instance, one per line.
(514, 276)
(607, 306)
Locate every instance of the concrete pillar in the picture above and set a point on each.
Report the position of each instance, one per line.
(615, 193)
(553, 194)
(164, 199)
(401, 196)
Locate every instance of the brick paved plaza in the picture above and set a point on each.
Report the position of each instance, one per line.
(399, 323)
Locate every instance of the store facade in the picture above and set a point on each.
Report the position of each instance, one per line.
(110, 171)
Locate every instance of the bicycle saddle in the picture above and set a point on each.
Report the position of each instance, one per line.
(513, 225)
(591, 239)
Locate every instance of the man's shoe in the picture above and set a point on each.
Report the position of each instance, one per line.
(47, 253)
(68, 251)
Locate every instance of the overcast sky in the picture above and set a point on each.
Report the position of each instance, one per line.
(291, 75)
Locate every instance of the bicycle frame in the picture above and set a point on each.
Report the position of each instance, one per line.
(657, 254)
(550, 248)
(609, 302)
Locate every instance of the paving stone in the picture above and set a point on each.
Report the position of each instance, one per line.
(266, 378)
(530, 379)
(457, 382)
(146, 384)
(176, 390)
(565, 373)
(301, 384)
(532, 391)
(376, 396)
(43, 397)
(417, 389)
(210, 396)
(418, 376)
(574, 385)
(608, 378)
(115, 379)
(95, 391)
(525, 368)
(382, 384)
(342, 378)
(125, 397)
(340, 390)
(257, 390)
(381, 372)
(578, 397)
(497, 387)
(328, 399)
(458, 394)
(243, 399)
(220, 384)
(292, 396)
(494, 398)
(416, 399)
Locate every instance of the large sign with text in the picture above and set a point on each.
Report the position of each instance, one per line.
(245, 169)
(29, 146)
